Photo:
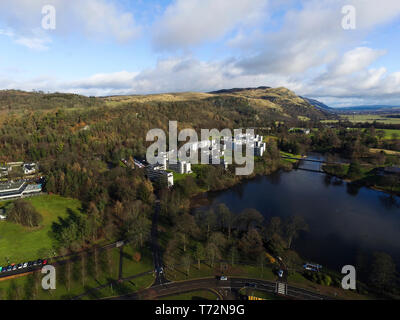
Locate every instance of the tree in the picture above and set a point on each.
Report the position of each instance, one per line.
(24, 213)
(354, 171)
(199, 254)
(249, 218)
(225, 218)
(219, 240)
(293, 226)
(212, 253)
(251, 244)
(187, 260)
(186, 227)
(383, 270)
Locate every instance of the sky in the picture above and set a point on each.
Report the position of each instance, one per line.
(341, 52)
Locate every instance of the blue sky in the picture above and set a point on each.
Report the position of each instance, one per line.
(102, 47)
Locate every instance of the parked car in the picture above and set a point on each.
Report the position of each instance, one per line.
(45, 262)
(223, 278)
(25, 265)
(30, 264)
(14, 267)
(19, 266)
(39, 262)
(280, 273)
(9, 268)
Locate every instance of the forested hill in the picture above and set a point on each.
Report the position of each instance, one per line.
(255, 104)
(263, 103)
(15, 100)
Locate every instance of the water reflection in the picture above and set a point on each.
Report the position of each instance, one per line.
(344, 218)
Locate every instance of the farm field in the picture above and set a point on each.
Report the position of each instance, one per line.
(371, 118)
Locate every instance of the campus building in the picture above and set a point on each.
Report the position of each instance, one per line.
(182, 167)
(19, 189)
(156, 173)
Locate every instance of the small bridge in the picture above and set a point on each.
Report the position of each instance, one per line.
(312, 160)
(320, 162)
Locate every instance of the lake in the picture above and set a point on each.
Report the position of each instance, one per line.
(342, 219)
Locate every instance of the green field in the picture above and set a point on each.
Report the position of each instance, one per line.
(371, 118)
(18, 243)
(390, 132)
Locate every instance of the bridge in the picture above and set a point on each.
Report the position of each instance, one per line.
(321, 162)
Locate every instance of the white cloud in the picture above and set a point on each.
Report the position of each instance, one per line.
(192, 22)
(95, 19)
(355, 60)
(37, 40)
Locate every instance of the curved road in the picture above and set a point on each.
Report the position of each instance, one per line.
(213, 283)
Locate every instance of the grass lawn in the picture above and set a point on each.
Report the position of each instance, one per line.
(20, 243)
(193, 295)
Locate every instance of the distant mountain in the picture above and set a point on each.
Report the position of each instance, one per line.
(369, 108)
(318, 104)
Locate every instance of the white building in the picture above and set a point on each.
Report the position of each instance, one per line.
(182, 167)
(29, 168)
(156, 173)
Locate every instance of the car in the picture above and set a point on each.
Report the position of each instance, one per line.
(9, 268)
(39, 262)
(14, 267)
(45, 262)
(34, 263)
(1, 269)
(19, 266)
(30, 264)
(280, 273)
(223, 278)
(25, 265)
(4, 269)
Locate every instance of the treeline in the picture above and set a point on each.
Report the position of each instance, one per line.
(219, 234)
(15, 100)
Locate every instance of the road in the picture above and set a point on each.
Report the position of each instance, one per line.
(157, 258)
(171, 288)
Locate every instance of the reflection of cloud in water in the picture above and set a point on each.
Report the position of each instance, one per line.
(359, 217)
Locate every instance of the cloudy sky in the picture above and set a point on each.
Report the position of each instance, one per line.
(104, 47)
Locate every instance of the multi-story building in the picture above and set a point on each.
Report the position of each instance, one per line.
(182, 167)
(11, 190)
(156, 173)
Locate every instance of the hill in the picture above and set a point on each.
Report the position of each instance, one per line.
(278, 104)
(318, 104)
(14, 100)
